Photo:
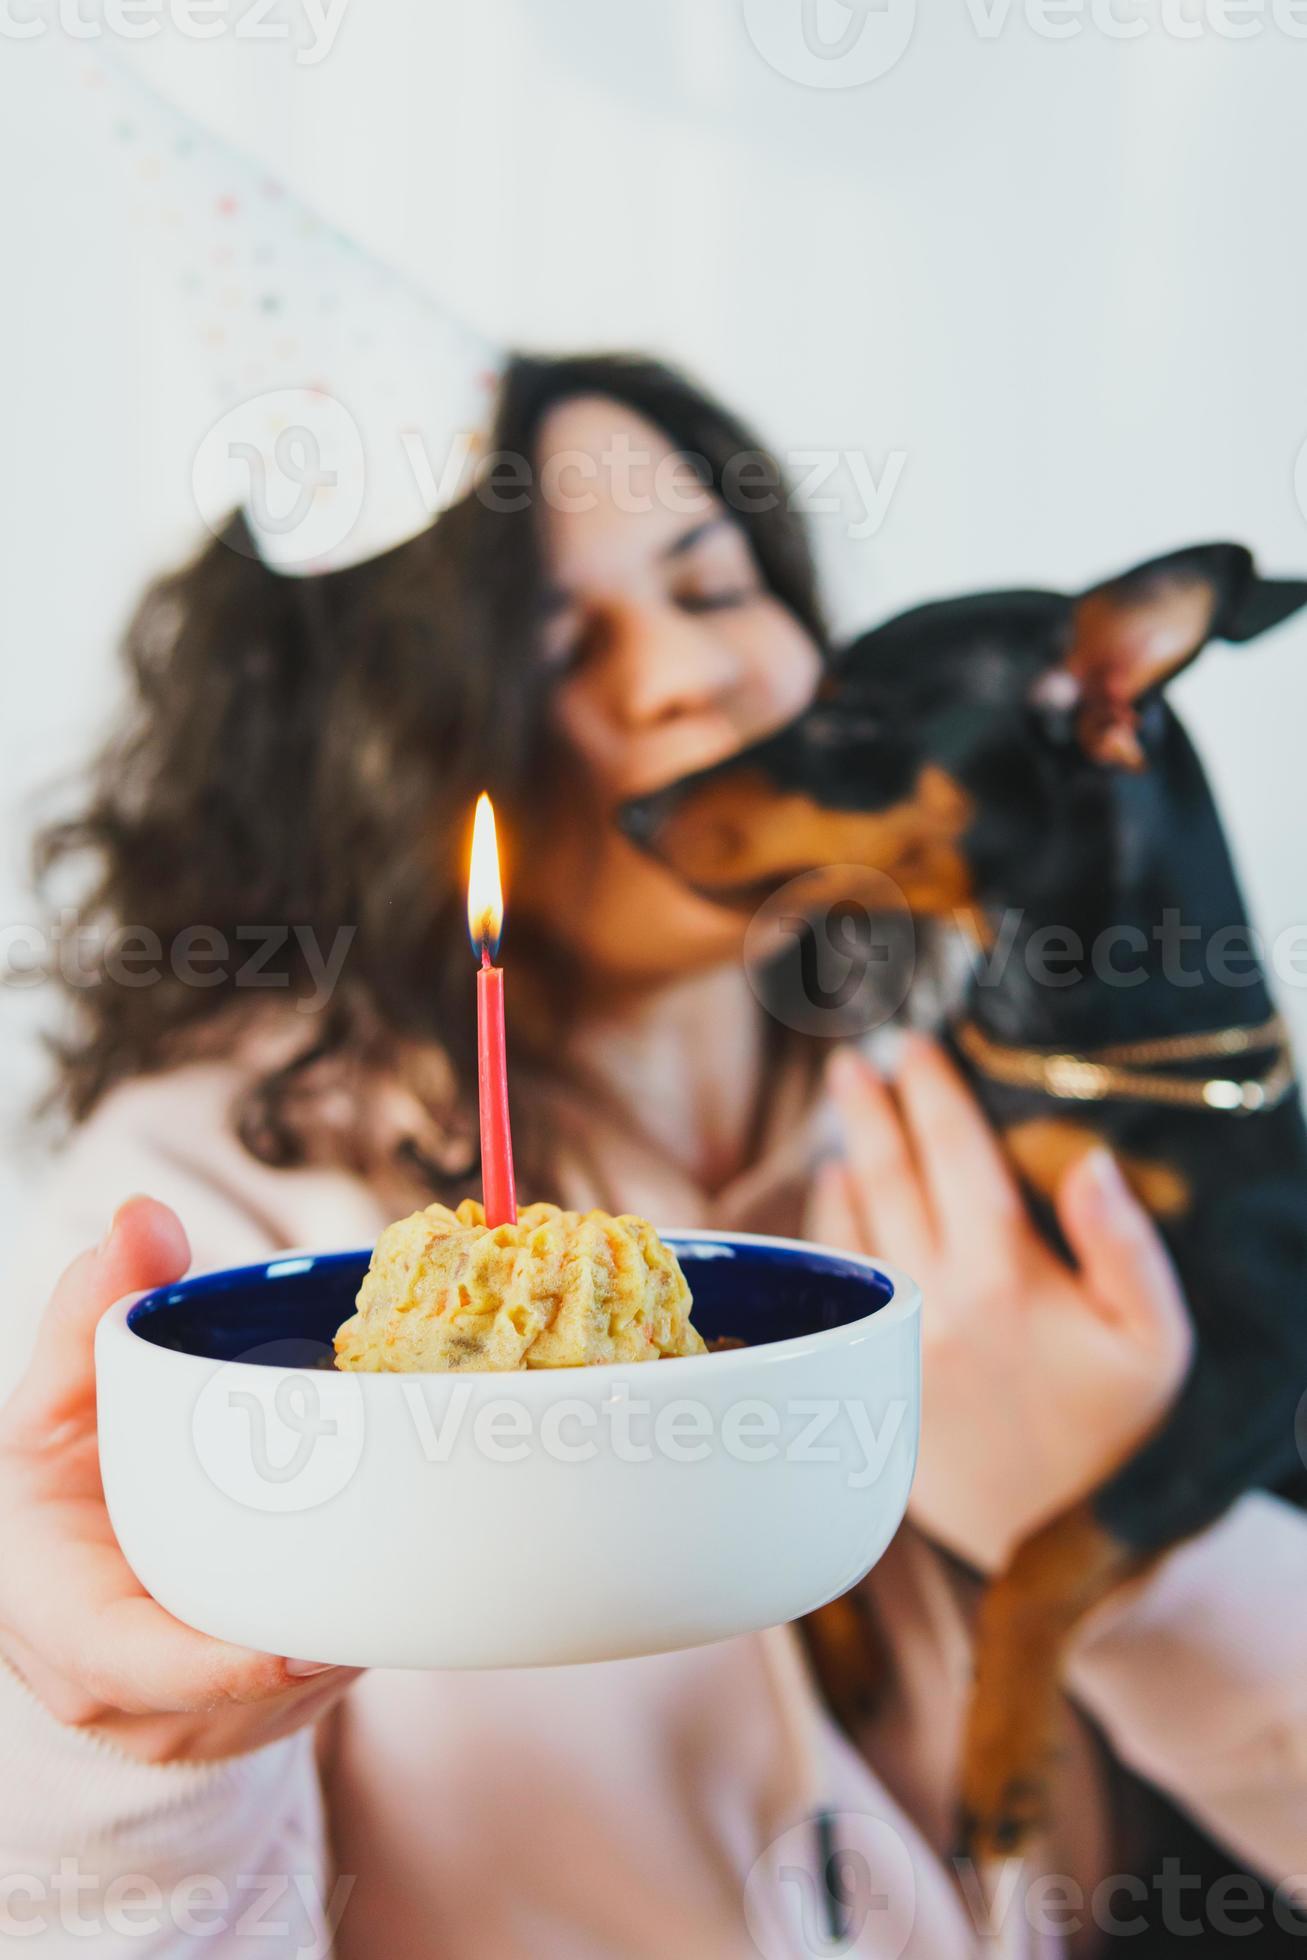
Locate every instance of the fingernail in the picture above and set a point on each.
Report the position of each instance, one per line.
(844, 1072)
(303, 1669)
(126, 1205)
(1103, 1174)
(884, 1050)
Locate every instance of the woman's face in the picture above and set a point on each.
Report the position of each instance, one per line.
(669, 653)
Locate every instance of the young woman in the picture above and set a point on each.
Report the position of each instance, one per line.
(303, 754)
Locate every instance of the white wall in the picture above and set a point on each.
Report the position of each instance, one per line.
(1063, 278)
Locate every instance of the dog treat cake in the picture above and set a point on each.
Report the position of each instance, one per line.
(559, 1289)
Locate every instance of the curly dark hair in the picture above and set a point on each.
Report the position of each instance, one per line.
(307, 751)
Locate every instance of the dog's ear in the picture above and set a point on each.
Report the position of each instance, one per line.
(1256, 604)
(1131, 635)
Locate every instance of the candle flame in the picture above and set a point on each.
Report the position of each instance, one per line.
(485, 895)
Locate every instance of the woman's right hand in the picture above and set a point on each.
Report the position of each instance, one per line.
(74, 1621)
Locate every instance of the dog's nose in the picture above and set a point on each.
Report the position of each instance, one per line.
(643, 817)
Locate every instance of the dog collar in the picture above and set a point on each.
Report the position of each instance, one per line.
(1135, 1071)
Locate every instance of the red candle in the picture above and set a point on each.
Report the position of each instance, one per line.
(485, 918)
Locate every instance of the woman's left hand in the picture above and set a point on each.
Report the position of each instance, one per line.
(1039, 1379)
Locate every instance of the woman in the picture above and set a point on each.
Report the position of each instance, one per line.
(305, 753)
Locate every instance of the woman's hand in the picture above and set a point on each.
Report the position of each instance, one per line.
(1038, 1380)
(89, 1641)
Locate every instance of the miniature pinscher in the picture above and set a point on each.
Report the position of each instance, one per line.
(1009, 760)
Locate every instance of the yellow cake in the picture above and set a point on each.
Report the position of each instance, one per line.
(559, 1289)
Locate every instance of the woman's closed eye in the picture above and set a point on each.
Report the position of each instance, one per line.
(719, 599)
(713, 571)
(569, 634)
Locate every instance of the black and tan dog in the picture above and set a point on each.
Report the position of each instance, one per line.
(1009, 759)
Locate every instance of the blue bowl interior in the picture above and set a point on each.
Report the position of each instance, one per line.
(285, 1313)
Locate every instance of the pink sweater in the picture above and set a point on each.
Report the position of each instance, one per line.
(645, 1808)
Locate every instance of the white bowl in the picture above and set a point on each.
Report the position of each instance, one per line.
(490, 1520)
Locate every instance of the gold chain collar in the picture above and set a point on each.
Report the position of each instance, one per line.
(1122, 1073)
